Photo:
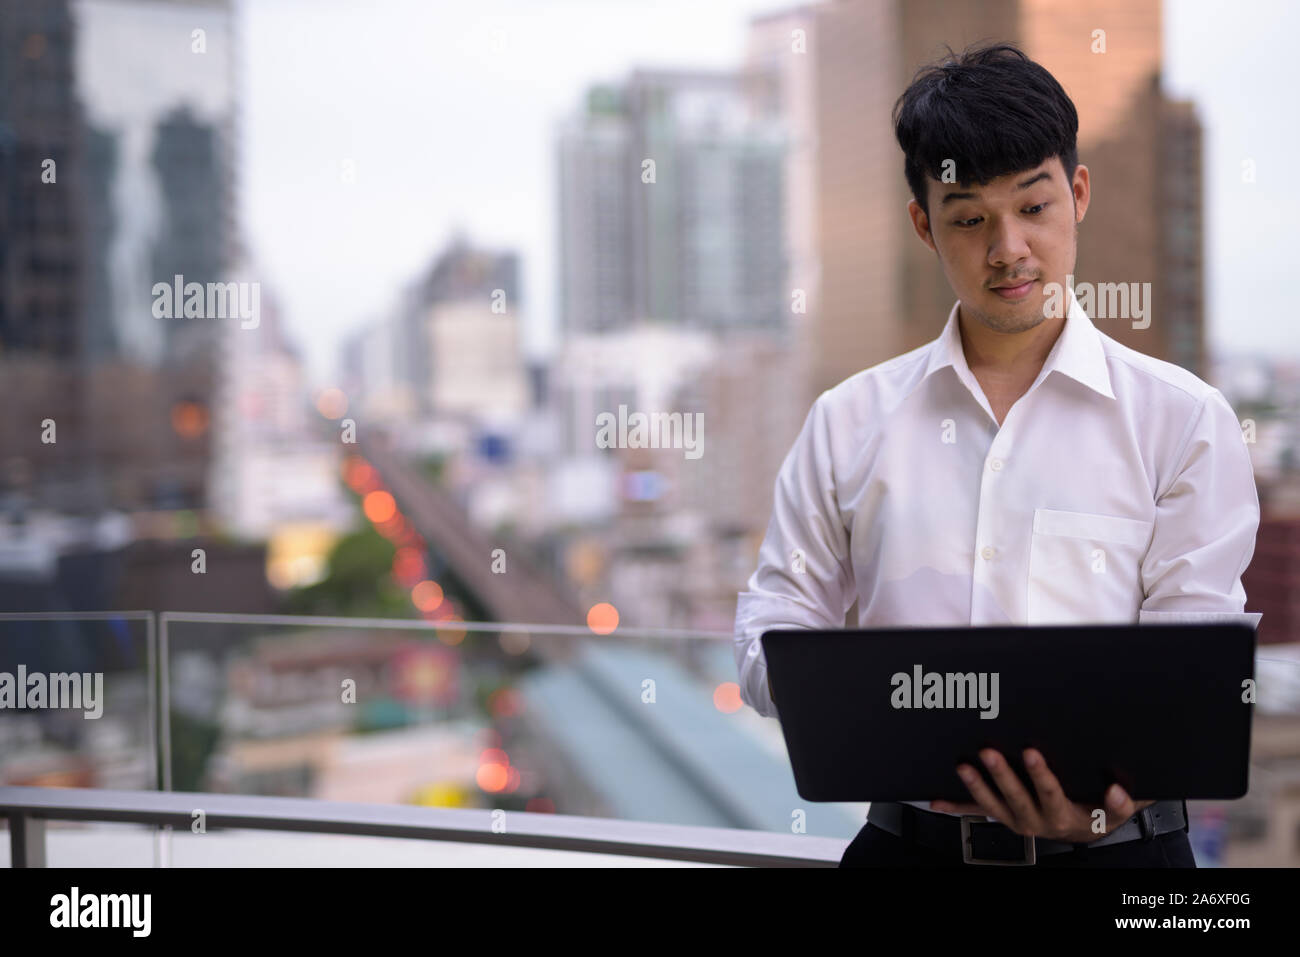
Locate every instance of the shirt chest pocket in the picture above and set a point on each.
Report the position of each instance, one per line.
(1085, 567)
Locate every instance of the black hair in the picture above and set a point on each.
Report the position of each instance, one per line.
(991, 110)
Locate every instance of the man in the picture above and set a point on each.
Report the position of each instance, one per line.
(1022, 468)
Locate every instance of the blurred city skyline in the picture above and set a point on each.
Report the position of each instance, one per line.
(324, 85)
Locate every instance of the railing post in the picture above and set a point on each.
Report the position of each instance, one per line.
(26, 841)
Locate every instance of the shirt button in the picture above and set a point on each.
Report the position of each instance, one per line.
(987, 551)
(996, 465)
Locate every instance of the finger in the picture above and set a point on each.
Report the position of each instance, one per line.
(1056, 807)
(1119, 807)
(990, 804)
(1017, 798)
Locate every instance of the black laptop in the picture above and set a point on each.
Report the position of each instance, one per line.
(887, 714)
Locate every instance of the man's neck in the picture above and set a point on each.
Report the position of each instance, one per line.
(1007, 355)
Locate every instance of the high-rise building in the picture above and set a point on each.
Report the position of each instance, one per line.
(1181, 295)
(187, 165)
(156, 78)
(671, 207)
(103, 159)
(452, 346)
(837, 66)
(675, 302)
(464, 343)
(43, 251)
(116, 137)
(477, 359)
(42, 162)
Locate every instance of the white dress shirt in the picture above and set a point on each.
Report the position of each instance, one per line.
(1117, 489)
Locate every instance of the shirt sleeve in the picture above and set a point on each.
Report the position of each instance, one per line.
(804, 577)
(1205, 527)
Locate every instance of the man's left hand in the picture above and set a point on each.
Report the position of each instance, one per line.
(1053, 816)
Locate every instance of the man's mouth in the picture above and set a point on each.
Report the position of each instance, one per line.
(1015, 292)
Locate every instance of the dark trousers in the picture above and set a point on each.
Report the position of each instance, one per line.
(875, 847)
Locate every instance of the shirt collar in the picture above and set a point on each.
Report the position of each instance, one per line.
(1077, 351)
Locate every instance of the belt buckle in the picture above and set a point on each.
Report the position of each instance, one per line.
(1031, 852)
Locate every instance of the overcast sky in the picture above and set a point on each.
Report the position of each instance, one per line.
(447, 114)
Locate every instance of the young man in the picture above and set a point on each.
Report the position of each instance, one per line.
(1022, 468)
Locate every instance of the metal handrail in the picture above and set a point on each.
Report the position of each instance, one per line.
(29, 808)
(419, 624)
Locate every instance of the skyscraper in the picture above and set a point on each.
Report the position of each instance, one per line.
(670, 207)
(186, 160)
(42, 250)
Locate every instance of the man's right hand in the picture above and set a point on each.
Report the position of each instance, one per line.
(1052, 815)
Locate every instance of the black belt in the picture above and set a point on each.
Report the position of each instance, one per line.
(987, 842)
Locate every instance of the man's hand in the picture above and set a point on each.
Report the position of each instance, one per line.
(1053, 816)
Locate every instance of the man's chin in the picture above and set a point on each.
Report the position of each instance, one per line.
(1010, 322)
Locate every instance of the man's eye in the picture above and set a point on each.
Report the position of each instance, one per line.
(968, 223)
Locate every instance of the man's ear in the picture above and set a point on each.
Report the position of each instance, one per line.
(921, 223)
(1081, 189)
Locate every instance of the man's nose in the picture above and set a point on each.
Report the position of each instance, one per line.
(1008, 245)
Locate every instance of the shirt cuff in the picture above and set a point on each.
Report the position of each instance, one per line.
(1250, 618)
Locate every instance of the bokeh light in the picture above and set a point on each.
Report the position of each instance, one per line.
(602, 618)
(726, 697)
(441, 794)
(495, 773)
(426, 595)
(359, 474)
(332, 403)
(492, 777)
(379, 506)
(189, 419)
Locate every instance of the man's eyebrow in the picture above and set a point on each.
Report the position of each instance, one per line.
(953, 197)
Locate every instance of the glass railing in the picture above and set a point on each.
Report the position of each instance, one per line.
(636, 726)
(84, 700)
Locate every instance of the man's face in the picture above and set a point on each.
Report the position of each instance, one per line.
(1017, 228)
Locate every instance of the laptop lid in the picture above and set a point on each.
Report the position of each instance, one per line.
(887, 714)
